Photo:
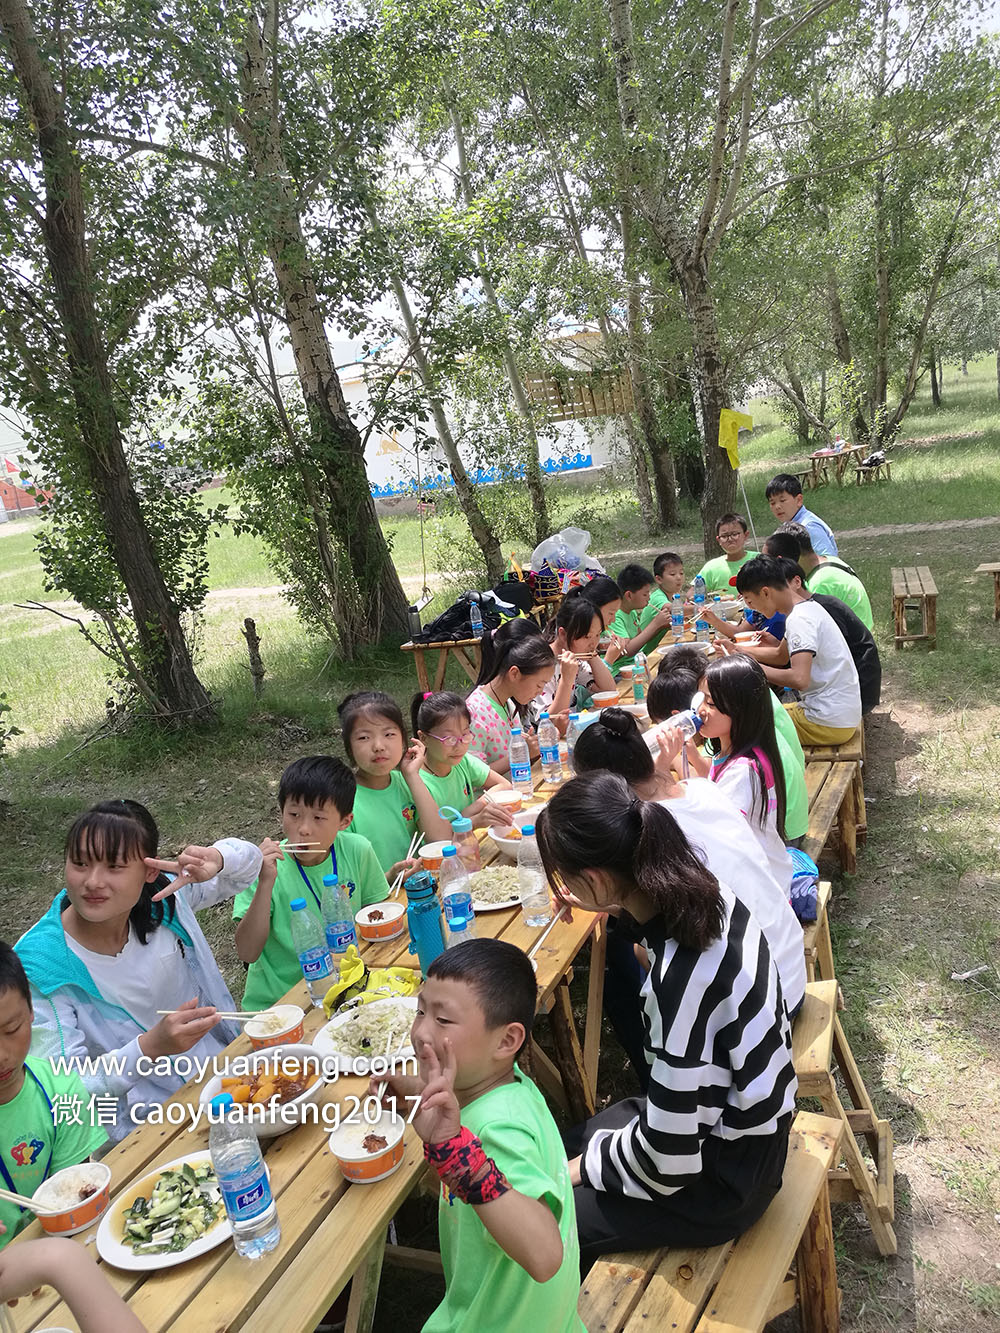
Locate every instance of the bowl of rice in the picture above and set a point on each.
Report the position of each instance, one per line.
(78, 1193)
(278, 1026)
(381, 921)
(366, 1151)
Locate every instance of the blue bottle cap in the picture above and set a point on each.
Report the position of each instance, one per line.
(457, 923)
(461, 824)
(450, 850)
(515, 731)
(222, 1100)
(528, 830)
(297, 904)
(574, 717)
(544, 717)
(330, 879)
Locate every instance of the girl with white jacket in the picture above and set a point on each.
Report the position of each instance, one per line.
(117, 945)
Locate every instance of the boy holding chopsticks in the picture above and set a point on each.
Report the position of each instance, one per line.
(316, 796)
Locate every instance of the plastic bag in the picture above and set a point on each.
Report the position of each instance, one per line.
(564, 550)
(363, 984)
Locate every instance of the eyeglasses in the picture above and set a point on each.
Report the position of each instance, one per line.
(452, 741)
(730, 536)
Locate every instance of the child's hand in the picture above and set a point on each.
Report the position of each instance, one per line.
(273, 852)
(662, 618)
(615, 650)
(405, 868)
(397, 1088)
(179, 1031)
(193, 866)
(561, 721)
(413, 759)
(570, 666)
(532, 740)
(485, 814)
(438, 1117)
(671, 742)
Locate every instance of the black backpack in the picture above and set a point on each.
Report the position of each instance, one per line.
(454, 624)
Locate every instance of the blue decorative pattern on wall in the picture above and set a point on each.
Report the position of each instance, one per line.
(441, 482)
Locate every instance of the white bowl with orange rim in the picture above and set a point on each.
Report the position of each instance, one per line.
(605, 698)
(281, 1025)
(78, 1196)
(432, 854)
(506, 796)
(368, 1152)
(381, 921)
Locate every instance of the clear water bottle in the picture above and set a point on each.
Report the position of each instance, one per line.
(338, 919)
(536, 903)
(476, 620)
(309, 942)
(640, 677)
(572, 732)
(677, 618)
(548, 745)
(688, 723)
(242, 1176)
(702, 629)
(456, 892)
(458, 932)
(520, 762)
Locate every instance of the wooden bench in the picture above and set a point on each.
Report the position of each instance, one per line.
(821, 1053)
(913, 589)
(737, 1287)
(995, 571)
(848, 752)
(816, 940)
(832, 814)
(873, 472)
(467, 652)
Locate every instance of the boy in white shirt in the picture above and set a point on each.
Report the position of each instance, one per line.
(820, 664)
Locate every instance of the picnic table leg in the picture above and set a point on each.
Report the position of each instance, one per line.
(595, 1005)
(996, 596)
(848, 825)
(471, 668)
(421, 665)
(364, 1289)
(442, 667)
(930, 619)
(569, 1056)
(819, 1299)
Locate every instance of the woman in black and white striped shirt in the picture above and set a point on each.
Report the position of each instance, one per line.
(698, 1159)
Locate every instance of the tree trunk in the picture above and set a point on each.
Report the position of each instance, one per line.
(821, 411)
(482, 534)
(712, 395)
(373, 605)
(965, 364)
(533, 466)
(842, 343)
(935, 385)
(940, 373)
(659, 449)
(167, 664)
(998, 374)
(801, 420)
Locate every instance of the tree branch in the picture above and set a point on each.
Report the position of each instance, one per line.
(150, 146)
(736, 172)
(717, 157)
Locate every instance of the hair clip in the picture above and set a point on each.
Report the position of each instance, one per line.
(427, 695)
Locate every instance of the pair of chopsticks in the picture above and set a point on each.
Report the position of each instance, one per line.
(414, 847)
(303, 847)
(541, 939)
(22, 1201)
(243, 1016)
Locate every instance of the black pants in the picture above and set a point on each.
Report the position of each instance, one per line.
(739, 1178)
(623, 1000)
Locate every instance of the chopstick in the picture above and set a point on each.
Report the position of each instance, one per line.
(385, 1055)
(22, 1201)
(415, 843)
(6, 1319)
(302, 847)
(541, 939)
(243, 1014)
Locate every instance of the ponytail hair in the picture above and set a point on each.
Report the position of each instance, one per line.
(119, 831)
(519, 643)
(429, 710)
(596, 822)
(739, 689)
(614, 743)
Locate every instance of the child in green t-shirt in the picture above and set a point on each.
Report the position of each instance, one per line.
(46, 1121)
(316, 797)
(636, 584)
(391, 801)
(454, 777)
(506, 1217)
(720, 574)
(668, 576)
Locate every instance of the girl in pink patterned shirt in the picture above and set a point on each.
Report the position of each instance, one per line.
(517, 663)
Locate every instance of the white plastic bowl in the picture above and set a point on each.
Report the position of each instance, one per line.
(509, 846)
(286, 1115)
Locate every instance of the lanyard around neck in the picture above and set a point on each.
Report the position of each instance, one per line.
(3, 1165)
(305, 878)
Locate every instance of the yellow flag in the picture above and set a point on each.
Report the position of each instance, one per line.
(730, 425)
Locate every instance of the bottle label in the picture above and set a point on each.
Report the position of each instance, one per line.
(340, 935)
(246, 1201)
(701, 626)
(458, 904)
(316, 965)
(549, 754)
(520, 773)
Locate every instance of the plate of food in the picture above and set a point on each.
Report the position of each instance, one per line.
(495, 888)
(356, 1035)
(173, 1214)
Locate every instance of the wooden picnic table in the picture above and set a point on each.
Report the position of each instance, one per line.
(995, 571)
(330, 1231)
(819, 462)
(468, 653)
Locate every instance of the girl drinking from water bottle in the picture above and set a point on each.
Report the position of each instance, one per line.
(391, 802)
(517, 664)
(453, 776)
(115, 948)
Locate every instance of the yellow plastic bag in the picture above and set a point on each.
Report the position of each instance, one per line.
(363, 984)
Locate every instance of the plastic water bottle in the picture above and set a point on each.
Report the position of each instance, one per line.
(309, 942)
(456, 892)
(520, 762)
(702, 629)
(677, 618)
(458, 931)
(242, 1176)
(640, 676)
(572, 732)
(465, 840)
(536, 903)
(688, 723)
(338, 919)
(548, 745)
(476, 620)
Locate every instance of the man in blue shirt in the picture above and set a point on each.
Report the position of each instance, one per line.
(784, 495)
